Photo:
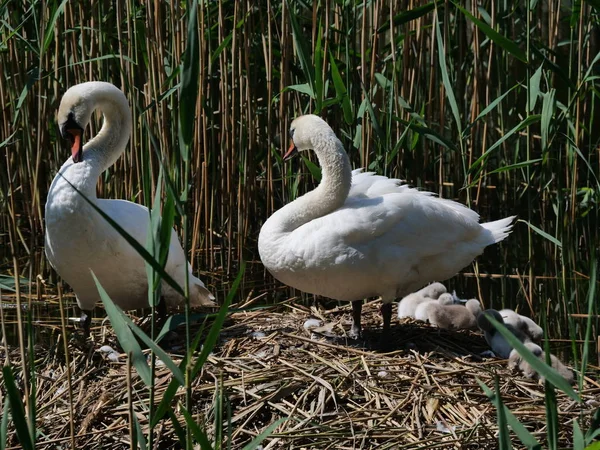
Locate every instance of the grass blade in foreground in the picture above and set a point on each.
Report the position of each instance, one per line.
(265, 434)
(124, 335)
(207, 347)
(525, 436)
(16, 406)
(540, 367)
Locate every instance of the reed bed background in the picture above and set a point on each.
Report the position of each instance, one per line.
(490, 103)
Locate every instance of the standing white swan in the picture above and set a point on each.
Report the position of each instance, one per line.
(78, 239)
(360, 235)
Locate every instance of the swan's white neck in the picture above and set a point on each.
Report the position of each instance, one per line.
(331, 192)
(104, 149)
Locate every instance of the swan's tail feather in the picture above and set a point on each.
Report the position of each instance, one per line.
(500, 228)
(199, 295)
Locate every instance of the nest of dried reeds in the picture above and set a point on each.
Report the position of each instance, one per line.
(334, 392)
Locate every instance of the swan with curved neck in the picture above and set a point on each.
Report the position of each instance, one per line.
(78, 239)
(360, 235)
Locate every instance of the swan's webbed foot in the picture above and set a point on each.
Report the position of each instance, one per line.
(355, 330)
(85, 321)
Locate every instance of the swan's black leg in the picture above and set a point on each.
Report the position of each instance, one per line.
(356, 315)
(85, 321)
(161, 308)
(386, 313)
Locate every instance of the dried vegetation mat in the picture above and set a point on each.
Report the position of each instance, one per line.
(335, 393)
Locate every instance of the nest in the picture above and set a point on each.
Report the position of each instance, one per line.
(335, 393)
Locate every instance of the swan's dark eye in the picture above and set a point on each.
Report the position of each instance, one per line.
(292, 133)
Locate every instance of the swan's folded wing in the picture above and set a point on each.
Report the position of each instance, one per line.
(369, 184)
(407, 228)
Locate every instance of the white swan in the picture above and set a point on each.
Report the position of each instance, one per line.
(454, 317)
(407, 307)
(359, 235)
(78, 239)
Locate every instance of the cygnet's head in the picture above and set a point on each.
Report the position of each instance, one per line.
(446, 299)
(302, 131)
(434, 290)
(482, 319)
(474, 306)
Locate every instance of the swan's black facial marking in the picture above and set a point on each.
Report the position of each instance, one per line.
(72, 131)
(292, 150)
(70, 124)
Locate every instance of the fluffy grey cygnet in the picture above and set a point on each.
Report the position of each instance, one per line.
(456, 317)
(495, 340)
(515, 361)
(523, 323)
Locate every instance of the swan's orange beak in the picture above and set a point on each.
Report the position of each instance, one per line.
(74, 135)
(291, 151)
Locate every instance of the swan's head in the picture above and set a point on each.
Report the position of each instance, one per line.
(302, 131)
(482, 319)
(73, 116)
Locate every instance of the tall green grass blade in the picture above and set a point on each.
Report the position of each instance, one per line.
(215, 329)
(415, 13)
(318, 56)
(189, 81)
(548, 107)
(534, 87)
(428, 133)
(141, 439)
(540, 367)
(494, 36)
(542, 233)
(340, 91)
(522, 433)
(164, 406)
(197, 432)
(488, 109)
(255, 443)
(593, 432)
(592, 292)
(314, 170)
(158, 351)
(445, 78)
(578, 438)
(552, 424)
(49, 33)
(302, 88)
(17, 409)
(124, 334)
(4, 424)
(207, 347)
(179, 431)
(521, 126)
(301, 49)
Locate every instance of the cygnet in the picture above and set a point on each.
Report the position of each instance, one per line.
(495, 340)
(515, 360)
(408, 305)
(455, 317)
(523, 323)
(422, 311)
